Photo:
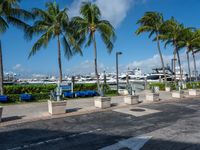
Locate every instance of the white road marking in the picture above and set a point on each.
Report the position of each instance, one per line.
(53, 140)
(134, 143)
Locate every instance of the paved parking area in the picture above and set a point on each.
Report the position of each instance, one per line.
(174, 126)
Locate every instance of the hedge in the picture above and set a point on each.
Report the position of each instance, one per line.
(35, 97)
(31, 89)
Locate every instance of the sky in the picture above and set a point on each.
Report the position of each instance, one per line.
(138, 51)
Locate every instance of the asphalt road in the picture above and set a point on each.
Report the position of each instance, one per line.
(175, 127)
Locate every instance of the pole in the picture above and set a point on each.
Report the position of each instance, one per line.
(117, 72)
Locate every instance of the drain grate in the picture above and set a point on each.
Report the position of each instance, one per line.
(137, 109)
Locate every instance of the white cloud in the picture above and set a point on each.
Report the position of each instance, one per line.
(86, 67)
(148, 64)
(153, 62)
(18, 68)
(113, 10)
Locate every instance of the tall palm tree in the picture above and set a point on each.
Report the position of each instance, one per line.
(53, 23)
(11, 13)
(152, 22)
(171, 30)
(195, 49)
(88, 24)
(190, 38)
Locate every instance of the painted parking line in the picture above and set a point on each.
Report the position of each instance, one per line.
(53, 140)
(134, 143)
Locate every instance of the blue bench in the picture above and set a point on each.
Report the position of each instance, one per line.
(69, 94)
(88, 93)
(25, 97)
(3, 98)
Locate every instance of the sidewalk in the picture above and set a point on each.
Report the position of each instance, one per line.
(32, 111)
(37, 111)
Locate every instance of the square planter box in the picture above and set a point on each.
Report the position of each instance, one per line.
(168, 89)
(152, 97)
(57, 107)
(193, 92)
(131, 99)
(177, 94)
(1, 111)
(102, 102)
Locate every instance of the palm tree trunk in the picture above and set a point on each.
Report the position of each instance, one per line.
(161, 58)
(195, 67)
(1, 71)
(174, 66)
(59, 60)
(188, 61)
(179, 61)
(95, 61)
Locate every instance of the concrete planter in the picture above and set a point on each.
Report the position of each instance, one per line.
(193, 92)
(177, 94)
(57, 107)
(123, 92)
(131, 99)
(151, 97)
(102, 102)
(168, 89)
(1, 111)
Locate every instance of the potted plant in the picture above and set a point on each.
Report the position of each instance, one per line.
(55, 104)
(131, 98)
(102, 101)
(179, 93)
(168, 88)
(193, 91)
(153, 95)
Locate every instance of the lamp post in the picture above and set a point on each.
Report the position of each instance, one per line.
(117, 54)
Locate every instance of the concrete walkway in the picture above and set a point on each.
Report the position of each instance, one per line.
(36, 111)
(32, 111)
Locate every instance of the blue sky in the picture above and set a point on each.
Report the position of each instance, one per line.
(138, 51)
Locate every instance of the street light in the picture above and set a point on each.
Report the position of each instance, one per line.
(117, 54)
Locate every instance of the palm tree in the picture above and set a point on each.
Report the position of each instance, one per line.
(152, 22)
(53, 23)
(195, 49)
(88, 24)
(171, 30)
(11, 13)
(187, 40)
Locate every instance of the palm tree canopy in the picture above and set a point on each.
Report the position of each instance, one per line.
(150, 22)
(171, 31)
(90, 22)
(52, 23)
(10, 12)
(190, 39)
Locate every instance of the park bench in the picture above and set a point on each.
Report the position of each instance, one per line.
(3, 98)
(25, 97)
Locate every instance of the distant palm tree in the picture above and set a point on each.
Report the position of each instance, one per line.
(195, 49)
(87, 26)
(11, 13)
(152, 22)
(53, 23)
(188, 40)
(171, 30)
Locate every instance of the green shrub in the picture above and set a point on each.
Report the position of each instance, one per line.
(41, 96)
(19, 89)
(13, 98)
(162, 85)
(86, 86)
